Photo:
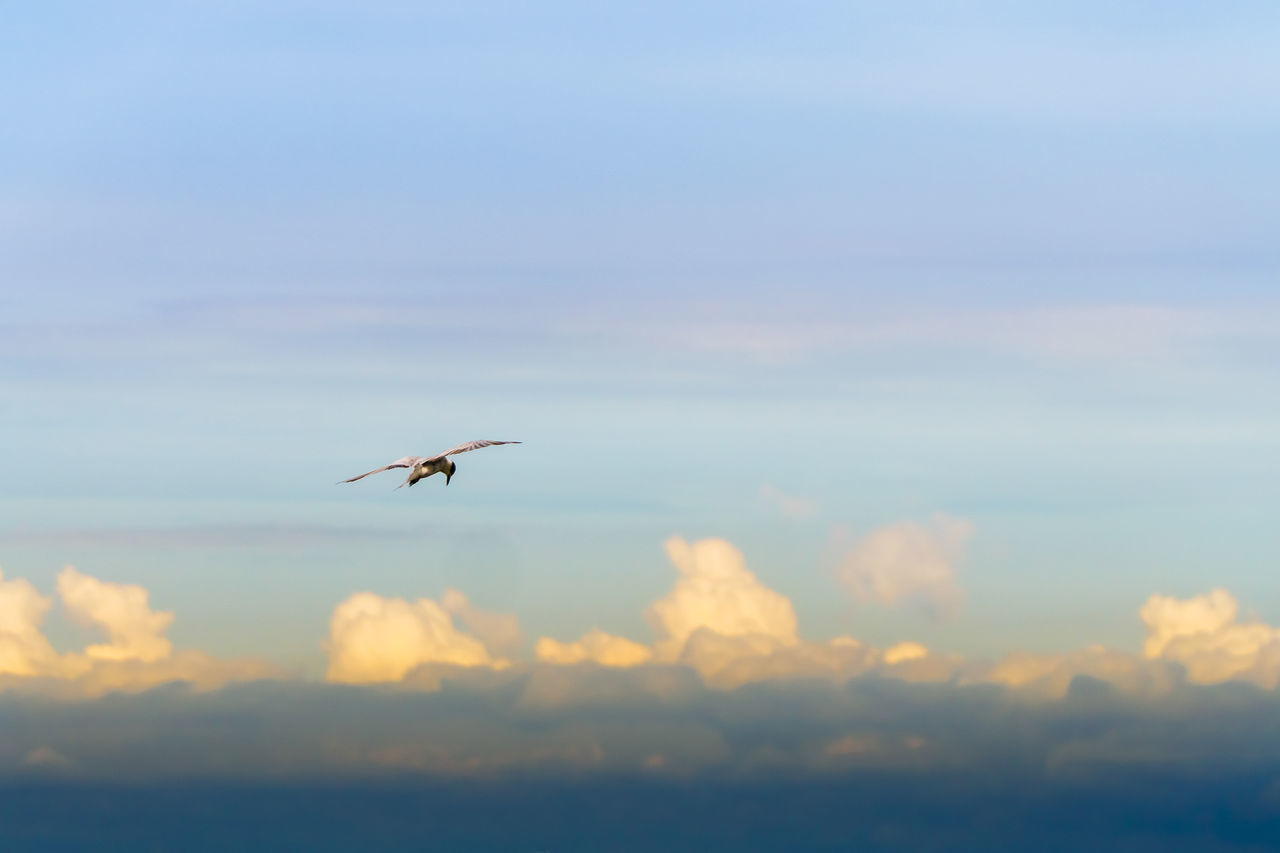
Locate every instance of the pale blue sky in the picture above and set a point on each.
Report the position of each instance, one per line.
(1011, 264)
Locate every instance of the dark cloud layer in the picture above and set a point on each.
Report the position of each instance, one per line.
(580, 758)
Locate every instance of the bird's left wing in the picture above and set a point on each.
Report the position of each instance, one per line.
(402, 462)
(470, 445)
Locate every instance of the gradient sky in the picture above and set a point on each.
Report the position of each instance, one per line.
(783, 277)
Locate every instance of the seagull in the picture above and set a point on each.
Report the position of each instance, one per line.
(425, 466)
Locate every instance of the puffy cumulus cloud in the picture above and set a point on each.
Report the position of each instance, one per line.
(1201, 633)
(137, 655)
(595, 646)
(24, 650)
(376, 639)
(908, 563)
(1167, 618)
(1195, 640)
(716, 592)
(122, 612)
(722, 622)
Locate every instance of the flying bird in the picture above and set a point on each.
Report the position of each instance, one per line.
(425, 466)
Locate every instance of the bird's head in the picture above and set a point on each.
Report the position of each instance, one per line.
(448, 473)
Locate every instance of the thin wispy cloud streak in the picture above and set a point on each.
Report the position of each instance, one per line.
(1084, 332)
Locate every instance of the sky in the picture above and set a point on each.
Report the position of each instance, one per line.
(878, 368)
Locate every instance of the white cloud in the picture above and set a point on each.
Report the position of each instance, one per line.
(374, 639)
(908, 563)
(723, 623)
(595, 646)
(1195, 639)
(1202, 634)
(717, 592)
(23, 648)
(1167, 618)
(137, 655)
(122, 612)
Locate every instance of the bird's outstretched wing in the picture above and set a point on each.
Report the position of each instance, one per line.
(463, 448)
(402, 462)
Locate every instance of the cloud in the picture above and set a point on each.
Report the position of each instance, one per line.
(723, 623)
(1196, 640)
(718, 619)
(789, 505)
(136, 656)
(500, 632)
(1202, 634)
(24, 650)
(571, 755)
(548, 721)
(373, 639)
(908, 563)
(1052, 675)
(741, 699)
(717, 592)
(904, 652)
(134, 630)
(595, 646)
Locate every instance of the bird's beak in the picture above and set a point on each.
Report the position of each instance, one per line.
(447, 478)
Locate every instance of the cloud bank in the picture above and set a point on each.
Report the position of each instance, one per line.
(136, 656)
(729, 699)
(719, 622)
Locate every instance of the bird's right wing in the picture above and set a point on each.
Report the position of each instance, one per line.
(402, 462)
(470, 445)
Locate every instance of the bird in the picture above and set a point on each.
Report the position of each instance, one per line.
(424, 466)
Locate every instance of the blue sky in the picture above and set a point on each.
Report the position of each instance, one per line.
(785, 278)
(1016, 266)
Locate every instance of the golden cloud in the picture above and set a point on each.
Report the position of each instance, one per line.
(373, 639)
(136, 656)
